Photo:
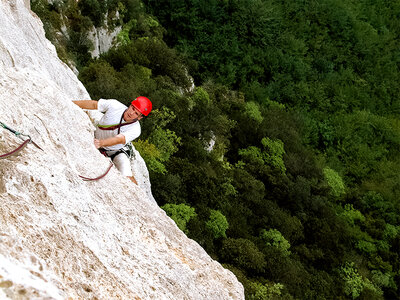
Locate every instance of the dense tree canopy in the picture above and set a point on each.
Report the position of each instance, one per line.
(282, 160)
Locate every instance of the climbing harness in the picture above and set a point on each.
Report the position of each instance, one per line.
(128, 151)
(20, 147)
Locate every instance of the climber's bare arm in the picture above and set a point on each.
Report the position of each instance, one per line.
(118, 139)
(86, 104)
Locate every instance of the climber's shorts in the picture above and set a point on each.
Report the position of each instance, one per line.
(121, 160)
(123, 164)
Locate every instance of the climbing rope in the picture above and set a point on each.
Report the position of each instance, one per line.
(15, 151)
(97, 178)
(20, 147)
(29, 140)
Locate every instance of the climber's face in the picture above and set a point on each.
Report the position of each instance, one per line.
(132, 113)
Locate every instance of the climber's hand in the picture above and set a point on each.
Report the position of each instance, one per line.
(97, 143)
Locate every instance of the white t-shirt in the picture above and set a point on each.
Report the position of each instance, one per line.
(113, 111)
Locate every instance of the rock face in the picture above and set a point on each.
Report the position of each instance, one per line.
(64, 238)
(102, 39)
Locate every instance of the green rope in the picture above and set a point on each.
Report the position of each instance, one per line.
(12, 130)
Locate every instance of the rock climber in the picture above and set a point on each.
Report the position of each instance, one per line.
(117, 128)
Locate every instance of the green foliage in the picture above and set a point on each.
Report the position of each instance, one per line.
(251, 191)
(151, 155)
(252, 110)
(353, 281)
(356, 285)
(217, 224)
(391, 231)
(123, 36)
(94, 10)
(252, 155)
(79, 45)
(271, 154)
(265, 291)
(162, 143)
(242, 253)
(381, 279)
(335, 182)
(201, 97)
(72, 45)
(101, 80)
(381, 207)
(228, 188)
(274, 153)
(180, 213)
(166, 142)
(367, 247)
(284, 89)
(363, 140)
(274, 104)
(352, 215)
(274, 238)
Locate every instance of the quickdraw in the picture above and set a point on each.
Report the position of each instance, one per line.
(20, 147)
(29, 140)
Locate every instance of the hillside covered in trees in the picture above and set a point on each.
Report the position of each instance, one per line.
(282, 160)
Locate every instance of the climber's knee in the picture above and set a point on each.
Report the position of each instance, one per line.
(123, 164)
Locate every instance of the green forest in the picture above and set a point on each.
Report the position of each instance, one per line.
(275, 136)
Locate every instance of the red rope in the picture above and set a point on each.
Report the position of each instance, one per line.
(97, 178)
(18, 149)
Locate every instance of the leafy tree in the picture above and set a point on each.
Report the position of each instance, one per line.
(377, 205)
(162, 143)
(335, 182)
(151, 155)
(265, 291)
(217, 224)
(352, 215)
(274, 153)
(243, 253)
(93, 9)
(274, 238)
(353, 281)
(381, 279)
(363, 140)
(355, 284)
(180, 213)
(253, 112)
(101, 80)
(271, 154)
(168, 187)
(391, 231)
(251, 190)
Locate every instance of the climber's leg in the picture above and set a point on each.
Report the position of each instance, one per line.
(123, 164)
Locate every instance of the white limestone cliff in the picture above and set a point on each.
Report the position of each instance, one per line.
(102, 39)
(64, 238)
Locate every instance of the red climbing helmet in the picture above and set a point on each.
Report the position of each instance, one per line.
(143, 105)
